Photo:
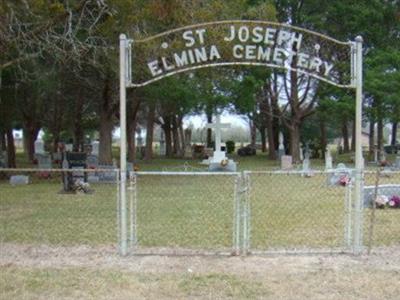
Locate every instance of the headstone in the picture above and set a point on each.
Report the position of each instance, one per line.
(281, 148)
(19, 180)
(39, 146)
(44, 164)
(286, 162)
(219, 162)
(397, 163)
(306, 168)
(386, 190)
(69, 147)
(74, 163)
(340, 176)
(95, 148)
(375, 155)
(301, 153)
(188, 143)
(92, 161)
(328, 160)
(107, 174)
(163, 150)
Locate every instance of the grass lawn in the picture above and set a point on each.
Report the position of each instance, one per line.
(195, 212)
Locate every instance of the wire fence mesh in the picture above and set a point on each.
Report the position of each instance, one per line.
(382, 218)
(183, 212)
(36, 207)
(296, 212)
(200, 212)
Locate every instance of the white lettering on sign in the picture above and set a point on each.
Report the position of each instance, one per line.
(185, 58)
(275, 46)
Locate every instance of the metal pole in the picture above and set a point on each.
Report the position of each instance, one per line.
(122, 102)
(359, 158)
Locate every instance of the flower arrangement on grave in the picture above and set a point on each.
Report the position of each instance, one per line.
(394, 202)
(82, 187)
(344, 180)
(383, 201)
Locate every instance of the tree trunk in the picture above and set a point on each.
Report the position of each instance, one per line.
(30, 132)
(294, 132)
(106, 125)
(182, 136)
(209, 130)
(353, 137)
(3, 146)
(78, 130)
(323, 137)
(150, 132)
(380, 136)
(263, 140)
(394, 133)
(10, 148)
(168, 139)
(253, 133)
(175, 136)
(345, 136)
(371, 138)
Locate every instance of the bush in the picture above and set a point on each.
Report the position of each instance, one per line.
(230, 146)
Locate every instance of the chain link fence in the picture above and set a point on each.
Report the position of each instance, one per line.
(200, 212)
(37, 208)
(183, 212)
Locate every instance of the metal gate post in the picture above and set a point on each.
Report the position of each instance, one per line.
(237, 215)
(132, 209)
(246, 212)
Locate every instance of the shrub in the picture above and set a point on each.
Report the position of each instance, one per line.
(230, 146)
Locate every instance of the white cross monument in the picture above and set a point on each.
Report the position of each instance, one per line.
(219, 161)
(217, 126)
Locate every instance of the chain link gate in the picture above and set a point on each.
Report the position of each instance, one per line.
(184, 213)
(252, 212)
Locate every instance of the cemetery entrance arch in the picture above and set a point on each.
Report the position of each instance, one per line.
(240, 42)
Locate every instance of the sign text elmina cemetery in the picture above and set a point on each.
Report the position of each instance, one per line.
(241, 43)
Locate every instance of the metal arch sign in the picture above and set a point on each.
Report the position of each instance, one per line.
(229, 43)
(239, 42)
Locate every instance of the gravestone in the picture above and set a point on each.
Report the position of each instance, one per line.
(44, 164)
(328, 160)
(397, 163)
(286, 162)
(281, 148)
(19, 180)
(340, 176)
(306, 167)
(69, 147)
(95, 148)
(92, 162)
(219, 162)
(74, 163)
(301, 153)
(375, 155)
(107, 174)
(163, 149)
(39, 146)
(388, 190)
(188, 143)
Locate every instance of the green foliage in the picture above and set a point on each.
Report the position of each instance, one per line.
(230, 146)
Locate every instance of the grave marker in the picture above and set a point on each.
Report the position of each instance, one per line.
(286, 162)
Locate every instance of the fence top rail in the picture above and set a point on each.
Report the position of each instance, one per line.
(382, 186)
(314, 171)
(166, 173)
(57, 170)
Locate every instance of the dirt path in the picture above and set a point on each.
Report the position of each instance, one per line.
(100, 273)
